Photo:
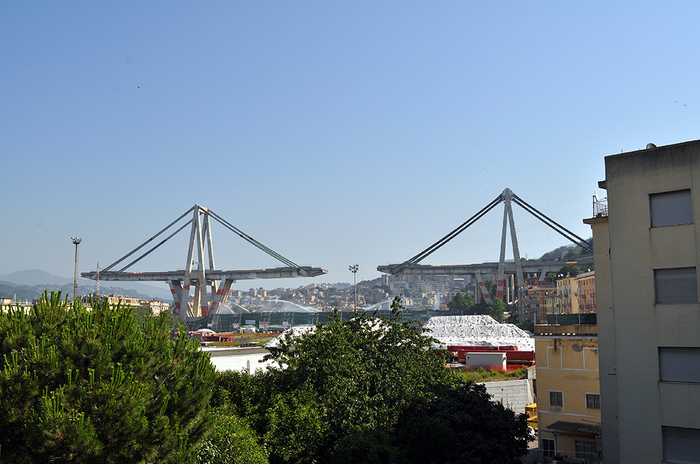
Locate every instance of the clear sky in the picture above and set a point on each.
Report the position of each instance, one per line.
(335, 133)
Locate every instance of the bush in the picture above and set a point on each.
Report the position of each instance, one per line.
(95, 386)
(232, 441)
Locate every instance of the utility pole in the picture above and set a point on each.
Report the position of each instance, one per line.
(354, 268)
(76, 242)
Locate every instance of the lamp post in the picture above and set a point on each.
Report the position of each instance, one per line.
(76, 242)
(353, 268)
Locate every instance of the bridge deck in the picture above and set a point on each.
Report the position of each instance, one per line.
(530, 267)
(274, 273)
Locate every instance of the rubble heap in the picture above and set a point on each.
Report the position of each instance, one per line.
(478, 331)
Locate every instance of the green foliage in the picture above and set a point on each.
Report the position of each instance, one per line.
(466, 305)
(348, 377)
(462, 302)
(480, 375)
(569, 270)
(95, 386)
(232, 441)
(529, 326)
(462, 425)
(496, 309)
(344, 394)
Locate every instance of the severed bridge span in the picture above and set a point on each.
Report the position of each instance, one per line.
(517, 268)
(211, 286)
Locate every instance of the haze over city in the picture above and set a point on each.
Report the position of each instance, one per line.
(335, 134)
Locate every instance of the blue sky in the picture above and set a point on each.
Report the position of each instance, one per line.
(333, 132)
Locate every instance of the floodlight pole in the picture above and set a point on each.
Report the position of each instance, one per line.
(354, 268)
(76, 242)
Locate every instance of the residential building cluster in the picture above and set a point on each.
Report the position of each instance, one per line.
(559, 295)
(419, 292)
(156, 306)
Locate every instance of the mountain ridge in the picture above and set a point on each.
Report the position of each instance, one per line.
(28, 280)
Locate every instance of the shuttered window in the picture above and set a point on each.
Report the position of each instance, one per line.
(679, 364)
(681, 445)
(556, 398)
(671, 208)
(676, 285)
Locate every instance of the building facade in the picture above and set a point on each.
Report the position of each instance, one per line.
(646, 255)
(536, 303)
(586, 292)
(567, 293)
(568, 392)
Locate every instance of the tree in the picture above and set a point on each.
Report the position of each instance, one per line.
(463, 425)
(496, 309)
(232, 441)
(569, 270)
(344, 393)
(461, 302)
(338, 382)
(95, 386)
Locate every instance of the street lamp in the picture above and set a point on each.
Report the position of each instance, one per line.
(76, 242)
(353, 268)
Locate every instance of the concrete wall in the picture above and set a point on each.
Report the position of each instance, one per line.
(487, 360)
(513, 394)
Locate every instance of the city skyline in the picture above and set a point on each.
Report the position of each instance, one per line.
(334, 134)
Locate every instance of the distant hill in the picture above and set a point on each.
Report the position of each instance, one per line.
(31, 283)
(557, 254)
(35, 276)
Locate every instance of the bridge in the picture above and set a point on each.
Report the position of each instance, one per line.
(516, 268)
(202, 279)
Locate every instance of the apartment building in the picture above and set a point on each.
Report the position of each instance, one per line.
(646, 256)
(537, 302)
(568, 392)
(586, 292)
(567, 293)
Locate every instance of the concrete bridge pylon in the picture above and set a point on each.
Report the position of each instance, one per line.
(211, 286)
(413, 266)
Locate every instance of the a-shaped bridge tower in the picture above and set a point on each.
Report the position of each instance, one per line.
(201, 251)
(413, 266)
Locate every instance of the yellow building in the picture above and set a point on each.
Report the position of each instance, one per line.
(646, 246)
(586, 292)
(567, 292)
(568, 392)
(156, 306)
(124, 300)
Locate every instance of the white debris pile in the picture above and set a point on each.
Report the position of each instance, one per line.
(478, 331)
(296, 331)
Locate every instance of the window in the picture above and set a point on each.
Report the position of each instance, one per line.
(679, 364)
(671, 208)
(592, 401)
(586, 450)
(556, 398)
(548, 449)
(681, 445)
(677, 285)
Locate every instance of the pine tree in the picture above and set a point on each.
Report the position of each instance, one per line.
(80, 385)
